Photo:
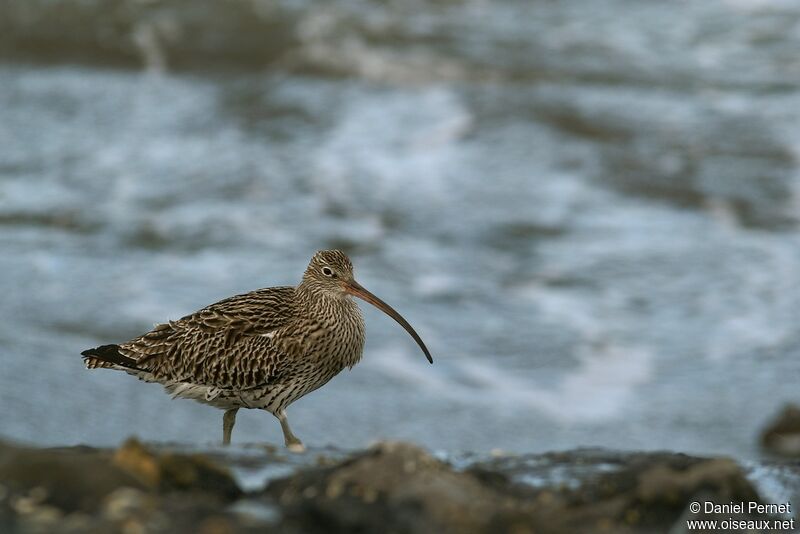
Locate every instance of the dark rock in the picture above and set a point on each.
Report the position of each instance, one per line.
(154, 34)
(400, 488)
(654, 490)
(81, 489)
(69, 479)
(175, 472)
(392, 487)
(782, 435)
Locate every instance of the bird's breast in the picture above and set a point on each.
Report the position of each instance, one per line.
(334, 339)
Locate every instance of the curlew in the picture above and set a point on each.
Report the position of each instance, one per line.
(264, 349)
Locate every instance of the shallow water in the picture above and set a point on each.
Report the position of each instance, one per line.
(588, 213)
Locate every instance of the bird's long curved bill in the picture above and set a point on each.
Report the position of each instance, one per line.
(356, 289)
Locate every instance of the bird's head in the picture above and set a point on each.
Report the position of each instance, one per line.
(330, 272)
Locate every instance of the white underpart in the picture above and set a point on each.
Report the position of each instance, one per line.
(185, 390)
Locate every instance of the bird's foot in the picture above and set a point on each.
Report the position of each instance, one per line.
(295, 445)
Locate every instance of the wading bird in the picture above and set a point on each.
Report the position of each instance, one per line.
(264, 349)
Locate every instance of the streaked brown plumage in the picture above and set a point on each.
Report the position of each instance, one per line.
(264, 349)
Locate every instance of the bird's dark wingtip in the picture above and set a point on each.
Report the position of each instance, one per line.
(108, 354)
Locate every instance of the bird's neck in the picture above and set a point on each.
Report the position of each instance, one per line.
(326, 307)
(338, 315)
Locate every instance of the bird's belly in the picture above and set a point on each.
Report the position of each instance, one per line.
(218, 397)
(313, 371)
(273, 398)
(282, 395)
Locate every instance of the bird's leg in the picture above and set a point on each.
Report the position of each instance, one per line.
(228, 420)
(292, 443)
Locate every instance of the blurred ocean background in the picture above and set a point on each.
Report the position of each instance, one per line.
(588, 210)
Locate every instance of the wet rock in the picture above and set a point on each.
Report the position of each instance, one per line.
(392, 487)
(175, 472)
(652, 491)
(153, 34)
(75, 479)
(400, 488)
(7, 516)
(132, 489)
(782, 435)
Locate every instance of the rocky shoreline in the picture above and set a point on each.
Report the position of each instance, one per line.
(390, 487)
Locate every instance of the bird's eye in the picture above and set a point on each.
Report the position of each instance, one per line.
(327, 271)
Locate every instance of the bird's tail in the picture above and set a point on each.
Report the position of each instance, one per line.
(107, 357)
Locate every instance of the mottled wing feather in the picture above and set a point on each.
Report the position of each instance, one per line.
(225, 345)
